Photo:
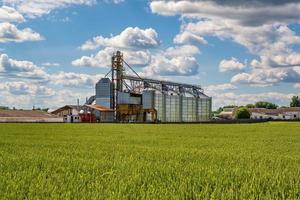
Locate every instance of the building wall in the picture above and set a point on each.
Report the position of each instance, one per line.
(290, 115)
(106, 116)
(281, 116)
(72, 118)
(263, 116)
(68, 112)
(126, 98)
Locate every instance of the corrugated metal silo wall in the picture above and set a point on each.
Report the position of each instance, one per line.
(174, 108)
(125, 98)
(148, 99)
(104, 92)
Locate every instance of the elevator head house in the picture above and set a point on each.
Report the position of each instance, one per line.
(136, 99)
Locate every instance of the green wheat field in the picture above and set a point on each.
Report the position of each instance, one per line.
(129, 161)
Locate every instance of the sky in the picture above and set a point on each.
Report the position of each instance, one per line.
(239, 51)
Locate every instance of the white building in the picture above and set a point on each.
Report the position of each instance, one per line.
(70, 113)
(292, 113)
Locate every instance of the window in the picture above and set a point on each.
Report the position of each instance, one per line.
(283, 116)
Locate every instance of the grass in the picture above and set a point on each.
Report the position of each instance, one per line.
(116, 161)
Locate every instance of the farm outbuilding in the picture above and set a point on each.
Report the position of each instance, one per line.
(292, 113)
(101, 113)
(70, 113)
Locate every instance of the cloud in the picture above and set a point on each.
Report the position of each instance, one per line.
(174, 61)
(231, 65)
(37, 8)
(250, 13)
(26, 88)
(49, 64)
(264, 40)
(273, 44)
(260, 26)
(8, 14)
(10, 68)
(189, 38)
(267, 77)
(219, 87)
(184, 50)
(130, 38)
(10, 33)
(72, 79)
(114, 1)
(39, 96)
(103, 58)
(177, 66)
(297, 85)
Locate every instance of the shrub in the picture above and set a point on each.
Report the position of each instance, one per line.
(243, 113)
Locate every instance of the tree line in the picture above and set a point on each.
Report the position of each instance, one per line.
(242, 112)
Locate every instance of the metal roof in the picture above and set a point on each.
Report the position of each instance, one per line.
(25, 113)
(100, 108)
(275, 111)
(66, 107)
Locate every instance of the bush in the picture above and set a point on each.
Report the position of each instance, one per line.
(243, 113)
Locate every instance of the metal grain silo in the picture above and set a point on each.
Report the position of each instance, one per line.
(104, 90)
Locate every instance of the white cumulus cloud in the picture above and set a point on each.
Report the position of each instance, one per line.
(174, 61)
(231, 65)
(37, 8)
(8, 14)
(10, 33)
(251, 14)
(103, 58)
(71, 79)
(20, 69)
(189, 38)
(297, 85)
(26, 88)
(130, 38)
(267, 77)
(219, 87)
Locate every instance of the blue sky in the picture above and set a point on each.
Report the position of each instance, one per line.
(52, 53)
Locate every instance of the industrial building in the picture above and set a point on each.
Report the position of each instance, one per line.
(136, 99)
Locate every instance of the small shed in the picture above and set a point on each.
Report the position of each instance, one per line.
(102, 113)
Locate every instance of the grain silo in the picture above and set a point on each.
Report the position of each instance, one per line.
(137, 99)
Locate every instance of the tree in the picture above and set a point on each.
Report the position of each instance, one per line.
(264, 104)
(250, 106)
(4, 108)
(242, 113)
(45, 109)
(295, 102)
(230, 106)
